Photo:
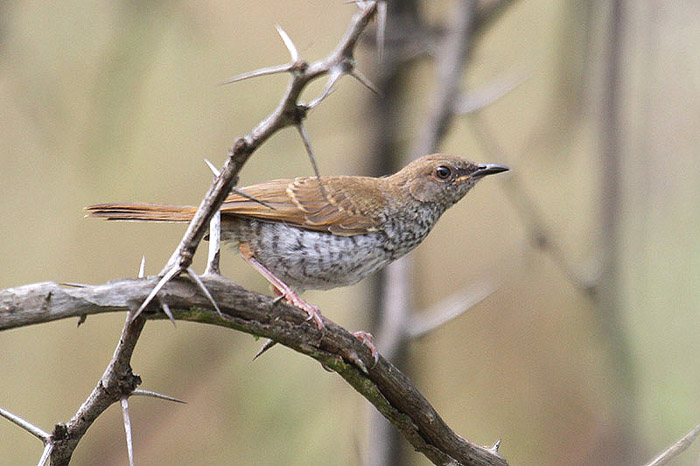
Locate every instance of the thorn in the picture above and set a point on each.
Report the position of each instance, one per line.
(161, 283)
(127, 429)
(310, 152)
(73, 285)
(260, 72)
(214, 252)
(381, 28)
(268, 344)
(355, 73)
(240, 192)
(142, 268)
(288, 43)
(213, 169)
(81, 319)
(46, 455)
(200, 284)
(278, 299)
(358, 362)
(160, 396)
(168, 312)
(335, 74)
(29, 427)
(495, 447)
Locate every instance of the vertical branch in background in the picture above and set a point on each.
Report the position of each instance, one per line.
(610, 303)
(388, 290)
(451, 64)
(395, 297)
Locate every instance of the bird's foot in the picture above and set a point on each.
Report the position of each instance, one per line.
(280, 288)
(295, 300)
(367, 339)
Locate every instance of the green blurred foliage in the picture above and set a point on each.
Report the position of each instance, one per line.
(119, 101)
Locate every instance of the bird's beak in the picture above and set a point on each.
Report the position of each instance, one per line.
(489, 169)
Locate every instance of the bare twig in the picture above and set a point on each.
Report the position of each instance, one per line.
(677, 448)
(383, 384)
(117, 382)
(450, 308)
(26, 425)
(452, 62)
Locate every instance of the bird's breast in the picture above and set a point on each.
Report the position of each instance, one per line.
(306, 259)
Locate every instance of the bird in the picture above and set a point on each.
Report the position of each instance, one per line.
(319, 233)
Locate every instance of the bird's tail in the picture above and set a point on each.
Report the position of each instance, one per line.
(142, 212)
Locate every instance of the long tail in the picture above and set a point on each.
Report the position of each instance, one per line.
(142, 212)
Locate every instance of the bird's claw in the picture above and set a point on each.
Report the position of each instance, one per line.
(367, 339)
(313, 311)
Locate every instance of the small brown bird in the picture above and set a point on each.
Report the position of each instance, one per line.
(303, 234)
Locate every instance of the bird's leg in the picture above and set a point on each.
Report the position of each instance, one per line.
(368, 340)
(289, 294)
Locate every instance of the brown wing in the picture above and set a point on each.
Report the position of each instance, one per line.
(347, 206)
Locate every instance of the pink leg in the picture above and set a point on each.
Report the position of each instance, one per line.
(282, 288)
(368, 340)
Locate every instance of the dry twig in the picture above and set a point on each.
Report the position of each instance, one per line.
(383, 385)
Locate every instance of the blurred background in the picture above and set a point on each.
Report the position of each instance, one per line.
(587, 352)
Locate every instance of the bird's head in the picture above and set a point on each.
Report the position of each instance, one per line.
(443, 179)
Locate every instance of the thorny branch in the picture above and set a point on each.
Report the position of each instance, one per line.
(392, 393)
(382, 384)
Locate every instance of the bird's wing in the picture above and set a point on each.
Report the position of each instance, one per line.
(345, 206)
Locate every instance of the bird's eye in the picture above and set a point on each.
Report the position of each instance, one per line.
(442, 172)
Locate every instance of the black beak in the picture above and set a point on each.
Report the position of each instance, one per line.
(489, 169)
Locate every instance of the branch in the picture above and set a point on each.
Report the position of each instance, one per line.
(396, 326)
(116, 384)
(450, 308)
(391, 392)
(451, 65)
(677, 448)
